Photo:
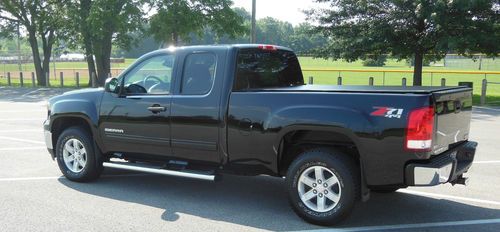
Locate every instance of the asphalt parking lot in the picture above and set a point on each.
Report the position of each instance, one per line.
(35, 197)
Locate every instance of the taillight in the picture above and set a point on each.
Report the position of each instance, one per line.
(420, 129)
(268, 47)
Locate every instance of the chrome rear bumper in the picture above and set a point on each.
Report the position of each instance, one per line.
(447, 167)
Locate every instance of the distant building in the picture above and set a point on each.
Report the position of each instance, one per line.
(72, 56)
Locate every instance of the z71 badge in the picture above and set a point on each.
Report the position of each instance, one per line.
(387, 112)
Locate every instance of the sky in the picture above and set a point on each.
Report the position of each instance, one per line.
(285, 10)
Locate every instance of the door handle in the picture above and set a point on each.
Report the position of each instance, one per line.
(157, 108)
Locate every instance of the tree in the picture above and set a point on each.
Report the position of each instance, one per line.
(375, 61)
(407, 29)
(210, 37)
(304, 39)
(96, 25)
(178, 19)
(41, 19)
(274, 31)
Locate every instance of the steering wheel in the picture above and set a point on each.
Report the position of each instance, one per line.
(155, 78)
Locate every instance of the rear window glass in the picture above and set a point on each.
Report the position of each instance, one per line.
(257, 68)
(199, 73)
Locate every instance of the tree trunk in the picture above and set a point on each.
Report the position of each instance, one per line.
(46, 63)
(103, 67)
(40, 75)
(90, 65)
(175, 38)
(102, 51)
(89, 56)
(417, 68)
(85, 6)
(47, 51)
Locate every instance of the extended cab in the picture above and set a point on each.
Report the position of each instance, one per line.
(202, 111)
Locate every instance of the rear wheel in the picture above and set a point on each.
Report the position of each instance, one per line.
(76, 156)
(323, 185)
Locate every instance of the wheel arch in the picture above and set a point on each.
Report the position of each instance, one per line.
(314, 136)
(297, 139)
(60, 123)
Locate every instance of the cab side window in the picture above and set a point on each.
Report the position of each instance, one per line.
(257, 68)
(199, 74)
(152, 76)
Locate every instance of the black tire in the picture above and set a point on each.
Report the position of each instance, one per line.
(347, 173)
(384, 189)
(92, 169)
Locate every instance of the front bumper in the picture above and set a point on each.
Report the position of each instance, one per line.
(48, 138)
(446, 167)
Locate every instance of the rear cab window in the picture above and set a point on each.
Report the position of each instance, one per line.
(266, 68)
(199, 73)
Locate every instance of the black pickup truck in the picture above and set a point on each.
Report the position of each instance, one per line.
(202, 111)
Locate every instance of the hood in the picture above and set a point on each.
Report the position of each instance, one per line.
(88, 94)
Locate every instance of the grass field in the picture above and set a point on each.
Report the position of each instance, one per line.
(391, 78)
(352, 77)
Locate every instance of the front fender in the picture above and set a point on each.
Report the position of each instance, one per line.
(75, 108)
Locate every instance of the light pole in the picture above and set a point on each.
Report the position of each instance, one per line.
(19, 48)
(253, 39)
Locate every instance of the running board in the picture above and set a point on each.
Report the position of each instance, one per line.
(144, 168)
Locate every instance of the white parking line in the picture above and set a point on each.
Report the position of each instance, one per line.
(28, 93)
(21, 148)
(21, 140)
(62, 177)
(413, 226)
(21, 130)
(486, 108)
(21, 119)
(30, 178)
(487, 162)
(23, 111)
(39, 103)
(449, 197)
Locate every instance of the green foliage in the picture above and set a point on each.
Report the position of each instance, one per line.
(425, 62)
(273, 31)
(375, 61)
(302, 38)
(41, 20)
(143, 46)
(178, 19)
(116, 17)
(98, 25)
(408, 28)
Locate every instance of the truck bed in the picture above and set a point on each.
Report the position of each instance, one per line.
(362, 89)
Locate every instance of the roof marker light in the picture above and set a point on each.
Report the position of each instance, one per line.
(268, 47)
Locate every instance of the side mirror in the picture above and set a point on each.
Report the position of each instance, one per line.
(111, 85)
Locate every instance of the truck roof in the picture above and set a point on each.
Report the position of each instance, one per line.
(225, 46)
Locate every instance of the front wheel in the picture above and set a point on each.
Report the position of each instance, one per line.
(76, 156)
(323, 185)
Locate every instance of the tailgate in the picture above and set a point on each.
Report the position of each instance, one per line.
(453, 111)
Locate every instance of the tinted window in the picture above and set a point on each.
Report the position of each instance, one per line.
(151, 76)
(199, 73)
(257, 68)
